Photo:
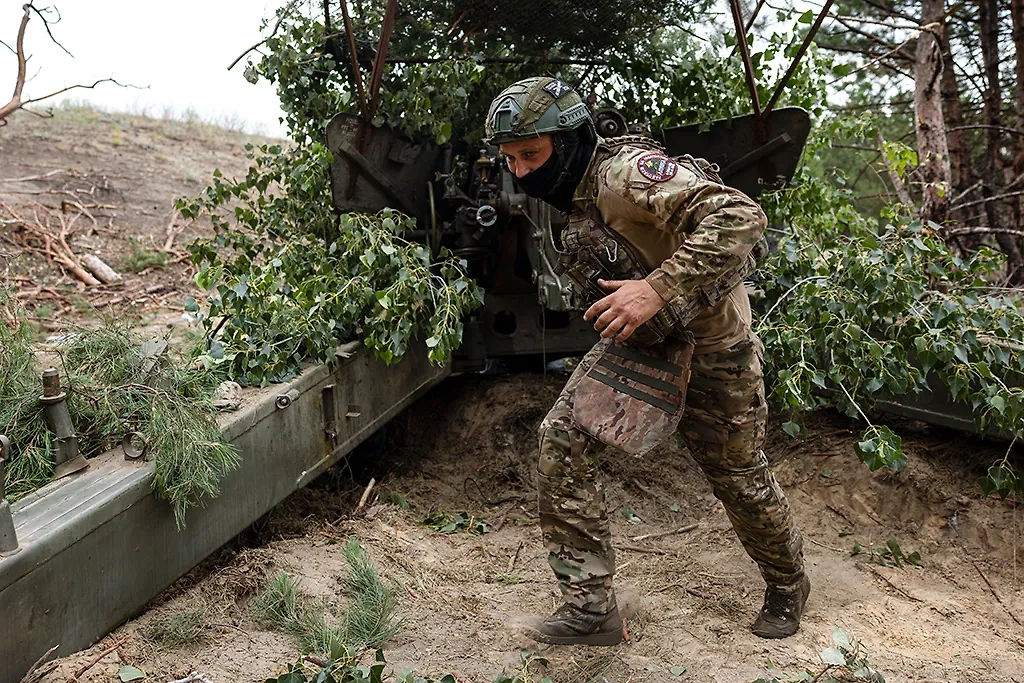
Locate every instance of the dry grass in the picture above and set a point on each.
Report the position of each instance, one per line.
(184, 628)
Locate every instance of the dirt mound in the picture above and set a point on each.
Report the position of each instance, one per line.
(470, 446)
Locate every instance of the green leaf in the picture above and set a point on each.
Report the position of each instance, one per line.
(841, 639)
(831, 655)
(677, 670)
(807, 17)
(791, 428)
(445, 133)
(130, 673)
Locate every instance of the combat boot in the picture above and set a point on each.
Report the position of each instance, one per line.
(570, 625)
(780, 615)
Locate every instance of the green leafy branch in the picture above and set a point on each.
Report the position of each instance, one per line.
(288, 280)
(857, 313)
(845, 660)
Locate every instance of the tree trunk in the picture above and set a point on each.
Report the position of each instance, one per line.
(932, 148)
(1015, 173)
(999, 213)
(959, 154)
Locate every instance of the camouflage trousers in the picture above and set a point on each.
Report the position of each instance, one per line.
(723, 428)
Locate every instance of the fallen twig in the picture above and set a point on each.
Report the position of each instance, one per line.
(504, 515)
(515, 556)
(661, 534)
(640, 549)
(822, 545)
(364, 499)
(171, 234)
(217, 624)
(101, 655)
(896, 588)
(31, 177)
(194, 677)
(412, 592)
(996, 594)
(36, 671)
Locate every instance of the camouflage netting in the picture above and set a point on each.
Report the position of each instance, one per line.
(536, 27)
(522, 28)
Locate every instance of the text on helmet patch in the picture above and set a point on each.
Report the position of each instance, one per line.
(556, 88)
(657, 167)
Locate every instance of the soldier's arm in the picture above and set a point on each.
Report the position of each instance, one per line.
(720, 225)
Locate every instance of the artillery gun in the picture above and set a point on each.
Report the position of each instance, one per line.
(466, 200)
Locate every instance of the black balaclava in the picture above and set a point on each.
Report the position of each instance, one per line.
(556, 180)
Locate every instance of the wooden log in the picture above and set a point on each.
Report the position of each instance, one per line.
(104, 273)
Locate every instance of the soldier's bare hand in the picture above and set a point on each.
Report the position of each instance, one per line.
(630, 304)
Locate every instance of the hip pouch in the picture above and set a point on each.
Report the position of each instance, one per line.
(633, 399)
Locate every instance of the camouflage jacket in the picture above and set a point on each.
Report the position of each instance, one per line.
(690, 231)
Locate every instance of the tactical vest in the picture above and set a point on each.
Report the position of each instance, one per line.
(592, 251)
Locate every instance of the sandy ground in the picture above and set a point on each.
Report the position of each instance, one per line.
(109, 181)
(470, 446)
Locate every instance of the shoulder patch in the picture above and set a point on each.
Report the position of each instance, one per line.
(556, 88)
(657, 167)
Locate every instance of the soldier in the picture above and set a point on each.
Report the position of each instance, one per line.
(688, 243)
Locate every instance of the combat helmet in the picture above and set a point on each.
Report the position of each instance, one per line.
(533, 107)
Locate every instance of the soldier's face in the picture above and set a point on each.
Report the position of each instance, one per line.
(526, 156)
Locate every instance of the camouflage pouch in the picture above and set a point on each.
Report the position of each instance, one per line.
(593, 252)
(632, 398)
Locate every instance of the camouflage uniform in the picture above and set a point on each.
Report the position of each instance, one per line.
(689, 231)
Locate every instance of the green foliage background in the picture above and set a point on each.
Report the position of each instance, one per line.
(855, 305)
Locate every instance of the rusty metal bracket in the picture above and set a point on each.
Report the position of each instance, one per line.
(67, 458)
(379, 62)
(357, 74)
(748, 66)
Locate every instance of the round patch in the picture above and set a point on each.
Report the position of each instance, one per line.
(657, 167)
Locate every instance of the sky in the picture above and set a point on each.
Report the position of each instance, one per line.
(179, 51)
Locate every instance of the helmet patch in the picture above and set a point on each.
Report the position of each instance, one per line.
(556, 88)
(657, 167)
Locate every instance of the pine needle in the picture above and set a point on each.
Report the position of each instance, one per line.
(368, 622)
(113, 388)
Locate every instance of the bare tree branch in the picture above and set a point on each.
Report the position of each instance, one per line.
(985, 231)
(16, 101)
(86, 87)
(893, 11)
(285, 11)
(46, 24)
(986, 200)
